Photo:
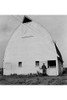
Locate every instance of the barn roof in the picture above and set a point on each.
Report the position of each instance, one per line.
(26, 20)
(58, 52)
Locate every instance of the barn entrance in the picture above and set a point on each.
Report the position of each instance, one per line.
(7, 68)
(42, 66)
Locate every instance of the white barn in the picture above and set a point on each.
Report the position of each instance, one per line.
(29, 47)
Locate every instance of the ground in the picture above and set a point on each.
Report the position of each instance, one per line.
(33, 80)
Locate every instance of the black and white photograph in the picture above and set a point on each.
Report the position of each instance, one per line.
(33, 49)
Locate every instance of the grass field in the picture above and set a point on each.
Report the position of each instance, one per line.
(33, 80)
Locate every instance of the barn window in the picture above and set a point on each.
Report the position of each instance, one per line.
(51, 63)
(37, 63)
(20, 64)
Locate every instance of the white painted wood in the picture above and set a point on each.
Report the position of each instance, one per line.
(30, 43)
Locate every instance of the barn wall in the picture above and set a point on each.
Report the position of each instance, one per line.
(28, 45)
(60, 67)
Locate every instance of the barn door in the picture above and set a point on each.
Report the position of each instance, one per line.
(8, 68)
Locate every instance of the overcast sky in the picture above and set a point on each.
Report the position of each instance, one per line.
(56, 26)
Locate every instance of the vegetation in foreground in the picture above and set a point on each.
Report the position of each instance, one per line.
(33, 80)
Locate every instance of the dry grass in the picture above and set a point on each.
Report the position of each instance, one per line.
(33, 80)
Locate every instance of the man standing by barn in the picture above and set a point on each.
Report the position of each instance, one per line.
(43, 69)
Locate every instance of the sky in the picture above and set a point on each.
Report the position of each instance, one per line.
(56, 25)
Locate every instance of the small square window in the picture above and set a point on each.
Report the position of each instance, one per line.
(20, 64)
(37, 63)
